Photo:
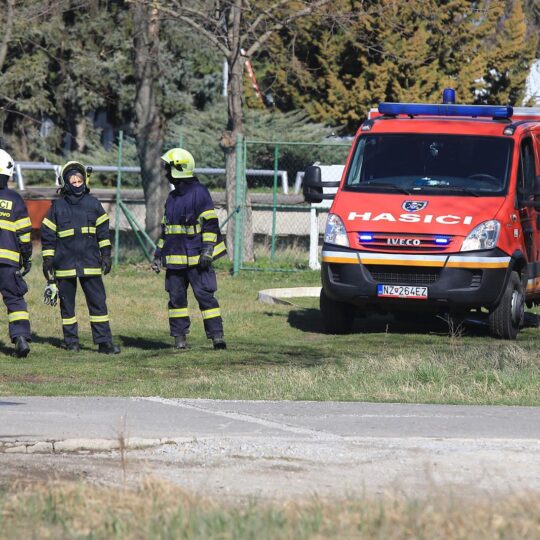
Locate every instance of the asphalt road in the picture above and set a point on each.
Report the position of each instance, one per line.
(275, 449)
(57, 418)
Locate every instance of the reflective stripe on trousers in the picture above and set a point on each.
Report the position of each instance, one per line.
(203, 283)
(94, 292)
(13, 288)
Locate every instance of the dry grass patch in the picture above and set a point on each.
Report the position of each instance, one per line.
(156, 509)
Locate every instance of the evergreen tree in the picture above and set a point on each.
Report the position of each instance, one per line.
(390, 50)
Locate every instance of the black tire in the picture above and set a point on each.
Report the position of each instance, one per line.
(338, 317)
(507, 318)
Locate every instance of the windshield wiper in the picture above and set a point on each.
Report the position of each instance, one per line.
(380, 184)
(448, 188)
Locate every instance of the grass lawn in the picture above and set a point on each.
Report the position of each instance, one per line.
(275, 352)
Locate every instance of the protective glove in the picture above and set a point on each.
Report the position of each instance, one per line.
(48, 267)
(50, 295)
(106, 263)
(156, 265)
(205, 259)
(26, 266)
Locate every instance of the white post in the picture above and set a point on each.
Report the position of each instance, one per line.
(314, 239)
(284, 181)
(20, 179)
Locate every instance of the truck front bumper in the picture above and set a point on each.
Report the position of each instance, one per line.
(454, 281)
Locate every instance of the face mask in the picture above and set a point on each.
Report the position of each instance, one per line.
(77, 191)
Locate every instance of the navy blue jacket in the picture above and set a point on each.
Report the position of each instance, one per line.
(189, 223)
(75, 233)
(15, 228)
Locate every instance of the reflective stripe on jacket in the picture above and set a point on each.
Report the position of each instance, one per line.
(76, 235)
(189, 223)
(15, 228)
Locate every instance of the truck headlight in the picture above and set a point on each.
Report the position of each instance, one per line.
(483, 236)
(335, 231)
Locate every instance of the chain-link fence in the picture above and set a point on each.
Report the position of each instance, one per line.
(280, 230)
(128, 212)
(277, 230)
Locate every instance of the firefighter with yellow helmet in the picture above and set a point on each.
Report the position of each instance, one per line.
(190, 240)
(15, 255)
(76, 244)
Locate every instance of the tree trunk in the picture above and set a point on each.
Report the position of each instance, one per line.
(80, 134)
(6, 31)
(149, 126)
(235, 127)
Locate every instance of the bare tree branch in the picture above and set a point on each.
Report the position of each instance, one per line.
(266, 12)
(308, 10)
(211, 37)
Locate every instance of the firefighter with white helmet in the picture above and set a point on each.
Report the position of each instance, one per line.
(15, 255)
(190, 240)
(76, 244)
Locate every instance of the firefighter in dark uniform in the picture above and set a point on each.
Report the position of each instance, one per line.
(15, 255)
(76, 244)
(190, 240)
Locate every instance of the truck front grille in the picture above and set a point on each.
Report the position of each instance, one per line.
(403, 242)
(403, 275)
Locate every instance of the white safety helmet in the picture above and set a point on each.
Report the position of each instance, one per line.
(6, 164)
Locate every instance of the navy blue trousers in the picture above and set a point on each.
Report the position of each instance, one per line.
(13, 288)
(204, 284)
(94, 292)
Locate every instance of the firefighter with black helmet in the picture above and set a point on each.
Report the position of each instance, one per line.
(76, 244)
(15, 257)
(190, 240)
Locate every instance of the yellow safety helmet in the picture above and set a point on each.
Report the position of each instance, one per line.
(72, 167)
(180, 161)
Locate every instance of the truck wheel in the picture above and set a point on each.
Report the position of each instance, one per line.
(507, 318)
(338, 317)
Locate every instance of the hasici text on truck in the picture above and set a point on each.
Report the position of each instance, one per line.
(438, 210)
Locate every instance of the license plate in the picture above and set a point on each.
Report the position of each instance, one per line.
(402, 291)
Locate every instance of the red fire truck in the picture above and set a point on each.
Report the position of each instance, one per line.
(438, 210)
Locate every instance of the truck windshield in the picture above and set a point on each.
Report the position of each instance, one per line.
(441, 164)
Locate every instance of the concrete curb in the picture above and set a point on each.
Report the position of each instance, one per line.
(277, 296)
(85, 445)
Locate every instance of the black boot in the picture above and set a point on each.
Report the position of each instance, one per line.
(219, 342)
(73, 347)
(21, 347)
(108, 348)
(180, 342)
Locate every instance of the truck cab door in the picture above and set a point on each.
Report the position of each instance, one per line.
(529, 216)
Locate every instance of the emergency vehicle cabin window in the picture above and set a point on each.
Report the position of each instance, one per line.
(443, 164)
(527, 169)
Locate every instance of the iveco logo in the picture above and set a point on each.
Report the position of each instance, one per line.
(403, 241)
(414, 206)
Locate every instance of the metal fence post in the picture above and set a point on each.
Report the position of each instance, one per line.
(239, 201)
(274, 202)
(118, 199)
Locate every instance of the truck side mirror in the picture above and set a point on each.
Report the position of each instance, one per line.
(312, 185)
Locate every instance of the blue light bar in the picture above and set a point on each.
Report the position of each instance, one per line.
(442, 240)
(366, 237)
(428, 109)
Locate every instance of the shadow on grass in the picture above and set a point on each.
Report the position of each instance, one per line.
(48, 340)
(6, 349)
(284, 355)
(144, 343)
(310, 320)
